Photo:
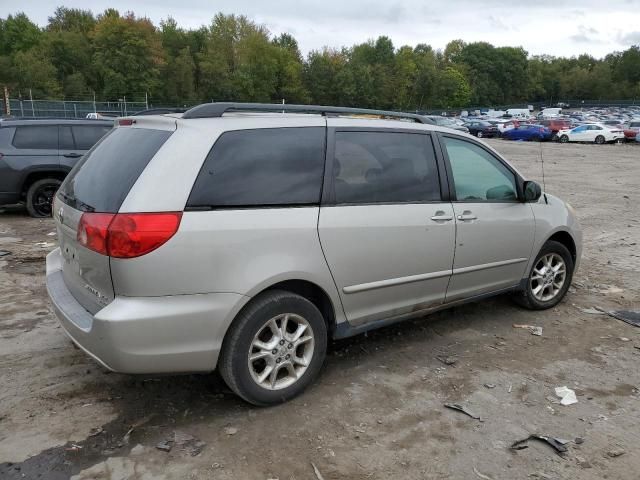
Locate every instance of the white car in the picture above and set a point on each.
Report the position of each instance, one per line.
(591, 132)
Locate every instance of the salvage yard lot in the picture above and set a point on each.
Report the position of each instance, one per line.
(377, 411)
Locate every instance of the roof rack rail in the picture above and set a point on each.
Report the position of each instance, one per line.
(212, 110)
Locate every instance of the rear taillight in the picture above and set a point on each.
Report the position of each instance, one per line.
(125, 122)
(127, 235)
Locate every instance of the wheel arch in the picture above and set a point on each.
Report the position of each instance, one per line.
(35, 175)
(566, 239)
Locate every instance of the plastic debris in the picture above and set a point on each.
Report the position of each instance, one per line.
(592, 311)
(557, 445)
(4, 253)
(480, 475)
(567, 396)
(534, 329)
(165, 445)
(230, 430)
(317, 472)
(489, 385)
(463, 409)
(51, 234)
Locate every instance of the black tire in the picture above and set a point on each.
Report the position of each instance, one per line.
(555, 138)
(599, 140)
(40, 197)
(479, 134)
(564, 139)
(526, 298)
(234, 365)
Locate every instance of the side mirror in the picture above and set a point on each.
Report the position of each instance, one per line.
(532, 191)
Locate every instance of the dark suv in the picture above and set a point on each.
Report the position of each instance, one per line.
(36, 155)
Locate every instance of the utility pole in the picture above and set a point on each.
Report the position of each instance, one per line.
(33, 112)
(146, 100)
(7, 105)
(94, 104)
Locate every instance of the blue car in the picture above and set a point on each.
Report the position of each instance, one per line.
(528, 132)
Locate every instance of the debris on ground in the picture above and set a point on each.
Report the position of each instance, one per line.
(95, 431)
(592, 311)
(610, 290)
(632, 317)
(45, 244)
(490, 385)
(534, 329)
(317, 472)
(567, 396)
(51, 234)
(616, 452)
(188, 443)
(463, 409)
(480, 475)
(447, 360)
(165, 445)
(230, 430)
(556, 443)
(4, 253)
(578, 440)
(74, 448)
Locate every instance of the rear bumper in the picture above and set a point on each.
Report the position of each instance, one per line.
(170, 334)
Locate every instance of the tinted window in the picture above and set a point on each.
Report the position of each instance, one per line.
(65, 139)
(102, 179)
(271, 166)
(86, 136)
(478, 175)
(37, 137)
(372, 167)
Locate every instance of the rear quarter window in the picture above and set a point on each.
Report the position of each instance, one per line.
(36, 137)
(86, 136)
(102, 179)
(262, 167)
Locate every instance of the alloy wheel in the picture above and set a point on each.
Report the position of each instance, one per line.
(281, 351)
(548, 277)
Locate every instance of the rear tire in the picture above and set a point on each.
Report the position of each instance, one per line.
(40, 197)
(266, 365)
(599, 140)
(546, 286)
(479, 134)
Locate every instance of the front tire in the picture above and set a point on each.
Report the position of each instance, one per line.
(549, 278)
(40, 197)
(479, 134)
(274, 349)
(564, 139)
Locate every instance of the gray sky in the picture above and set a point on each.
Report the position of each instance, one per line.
(554, 27)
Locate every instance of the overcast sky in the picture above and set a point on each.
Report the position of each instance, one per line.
(555, 27)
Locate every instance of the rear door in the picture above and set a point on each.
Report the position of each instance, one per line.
(495, 230)
(385, 229)
(99, 183)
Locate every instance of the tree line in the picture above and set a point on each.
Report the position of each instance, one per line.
(112, 55)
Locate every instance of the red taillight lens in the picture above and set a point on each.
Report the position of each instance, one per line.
(125, 122)
(93, 231)
(127, 235)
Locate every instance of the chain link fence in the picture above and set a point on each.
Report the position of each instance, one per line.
(71, 109)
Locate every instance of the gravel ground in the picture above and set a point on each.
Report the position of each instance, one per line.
(377, 411)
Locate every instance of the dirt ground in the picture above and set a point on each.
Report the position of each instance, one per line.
(377, 410)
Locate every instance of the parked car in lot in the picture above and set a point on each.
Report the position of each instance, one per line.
(503, 125)
(555, 125)
(447, 122)
(481, 128)
(36, 155)
(591, 132)
(528, 132)
(275, 232)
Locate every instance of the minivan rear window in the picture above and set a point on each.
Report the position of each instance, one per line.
(262, 168)
(101, 180)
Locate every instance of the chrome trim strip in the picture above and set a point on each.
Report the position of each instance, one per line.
(391, 282)
(485, 266)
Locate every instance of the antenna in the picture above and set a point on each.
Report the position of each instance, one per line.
(544, 184)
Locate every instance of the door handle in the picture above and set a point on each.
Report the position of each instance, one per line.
(467, 215)
(72, 155)
(441, 216)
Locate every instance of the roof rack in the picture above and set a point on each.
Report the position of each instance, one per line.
(213, 110)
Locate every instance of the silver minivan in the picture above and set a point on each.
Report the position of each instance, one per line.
(244, 237)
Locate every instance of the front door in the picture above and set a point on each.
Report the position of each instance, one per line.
(494, 229)
(386, 233)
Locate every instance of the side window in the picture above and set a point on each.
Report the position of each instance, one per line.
(478, 175)
(36, 137)
(88, 135)
(65, 139)
(384, 167)
(262, 167)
